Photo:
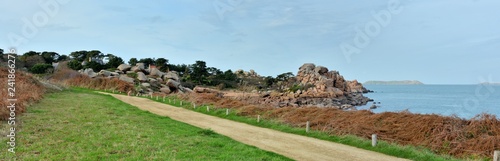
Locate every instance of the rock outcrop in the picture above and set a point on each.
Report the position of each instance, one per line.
(149, 80)
(318, 86)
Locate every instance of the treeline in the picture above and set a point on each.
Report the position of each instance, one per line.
(194, 74)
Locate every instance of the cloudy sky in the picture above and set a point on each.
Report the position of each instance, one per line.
(436, 42)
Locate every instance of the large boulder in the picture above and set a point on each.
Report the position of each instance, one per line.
(140, 66)
(155, 72)
(171, 75)
(126, 79)
(173, 84)
(105, 73)
(89, 72)
(147, 85)
(165, 90)
(141, 77)
(124, 67)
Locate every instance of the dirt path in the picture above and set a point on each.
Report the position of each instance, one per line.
(293, 146)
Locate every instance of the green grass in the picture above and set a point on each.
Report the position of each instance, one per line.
(78, 124)
(408, 152)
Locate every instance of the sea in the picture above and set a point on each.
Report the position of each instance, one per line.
(464, 101)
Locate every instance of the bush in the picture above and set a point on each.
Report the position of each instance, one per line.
(41, 68)
(75, 65)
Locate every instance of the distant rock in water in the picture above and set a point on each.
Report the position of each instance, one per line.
(404, 82)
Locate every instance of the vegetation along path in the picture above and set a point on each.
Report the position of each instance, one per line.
(290, 145)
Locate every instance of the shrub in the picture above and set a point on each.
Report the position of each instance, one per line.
(75, 65)
(41, 68)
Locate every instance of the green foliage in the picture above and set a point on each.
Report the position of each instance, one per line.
(284, 76)
(199, 72)
(62, 58)
(75, 65)
(161, 63)
(41, 68)
(147, 61)
(50, 57)
(95, 66)
(114, 61)
(32, 60)
(132, 75)
(132, 61)
(270, 81)
(85, 55)
(230, 76)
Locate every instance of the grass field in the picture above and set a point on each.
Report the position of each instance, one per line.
(82, 125)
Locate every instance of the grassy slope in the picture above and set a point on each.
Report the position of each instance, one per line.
(80, 125)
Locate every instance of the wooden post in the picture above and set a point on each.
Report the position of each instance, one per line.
(374, 140)
(208, 108)
(307, 126)
(227, 111)
(496, 155)
(258, 118)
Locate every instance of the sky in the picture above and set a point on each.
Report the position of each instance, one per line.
(433, 41)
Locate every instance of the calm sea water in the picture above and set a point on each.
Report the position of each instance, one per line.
(465, 101)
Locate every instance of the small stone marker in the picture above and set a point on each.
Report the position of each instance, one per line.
(208, 108)
(227, 111)
(374, 140)
(258, 118)
(307, 126)
(496, 155)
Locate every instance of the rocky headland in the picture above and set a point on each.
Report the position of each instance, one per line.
(318, 86)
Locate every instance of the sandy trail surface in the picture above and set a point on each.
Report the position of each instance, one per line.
(290, 145)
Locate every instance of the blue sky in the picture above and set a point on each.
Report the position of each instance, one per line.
(436, 42)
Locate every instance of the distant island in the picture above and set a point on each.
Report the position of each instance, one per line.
(490, 83)
(404, 82)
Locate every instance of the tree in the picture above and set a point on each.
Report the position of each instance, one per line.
(270, 81)
(32, 60)
(162, 64)
(147, 61)
(41, 68)
(1, 54)
(79, 55)
(62, 58)
(284, 76)
(95, 66)
(132, 61)
(229, 75)
(199, 72)
(214, 71)
(50, 57)
(75, 65)
(114, 61)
